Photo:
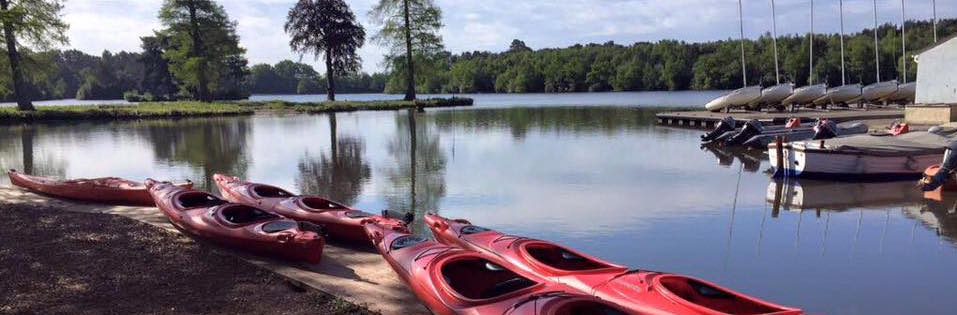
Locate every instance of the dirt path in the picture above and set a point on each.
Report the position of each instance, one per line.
(359, 277)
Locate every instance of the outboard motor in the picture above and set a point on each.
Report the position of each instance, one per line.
(946, 170)
(724, 125)
(751, 128)
(825, 129)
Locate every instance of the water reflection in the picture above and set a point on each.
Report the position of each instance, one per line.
(938, 214)
(213, 145)
(751, 159)
(17, 151)
(552, 120)
(339, 175)
(417, 179)
(797, 195)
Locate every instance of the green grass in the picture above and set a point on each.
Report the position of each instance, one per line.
(118, 112)
(347, 106)
(198, 109)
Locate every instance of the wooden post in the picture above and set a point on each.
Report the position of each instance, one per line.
(779, 149)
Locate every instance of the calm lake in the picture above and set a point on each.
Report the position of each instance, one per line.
(591, 172)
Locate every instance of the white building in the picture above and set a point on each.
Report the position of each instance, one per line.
(937, 73)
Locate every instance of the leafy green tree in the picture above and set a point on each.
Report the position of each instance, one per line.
(157, 80)
(327, 27)
(410, 29)
(37, 22)
(203, 49)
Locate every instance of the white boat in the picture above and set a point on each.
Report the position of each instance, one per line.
(905, 93)
(772, 95)
(879, 91)
(844, 93)
(805, 94)
(861, 157)
(739, 97)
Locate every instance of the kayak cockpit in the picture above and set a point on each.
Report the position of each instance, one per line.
(197, 199)
(242, 215)
(266, 191)
(701, 294)
(319, 204)
(587, 308)
(479, 279)
(556, 257)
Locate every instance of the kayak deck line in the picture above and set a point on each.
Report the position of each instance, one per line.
(706, 120)
(360, 277)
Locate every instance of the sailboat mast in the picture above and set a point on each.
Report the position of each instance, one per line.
(903, 43)
(842, 43)
(810, 73)
(934, 4)
(877, 55)
(774, 40)
(744, 72)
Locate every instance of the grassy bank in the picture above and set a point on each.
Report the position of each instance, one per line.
(119, 112)
(347, 106)
(197, 109)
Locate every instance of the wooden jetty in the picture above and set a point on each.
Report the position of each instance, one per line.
(706, 120)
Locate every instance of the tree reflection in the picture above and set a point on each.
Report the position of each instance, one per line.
(339, 175)
(211, 145)
(18, 150)
(519, 121)
(417, 180)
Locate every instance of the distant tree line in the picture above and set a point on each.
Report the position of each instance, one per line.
(670, 64)
(290, 77)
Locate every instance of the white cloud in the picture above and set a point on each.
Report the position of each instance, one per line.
(98, 25)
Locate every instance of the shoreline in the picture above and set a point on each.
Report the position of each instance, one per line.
(184, 109)
(347, 281)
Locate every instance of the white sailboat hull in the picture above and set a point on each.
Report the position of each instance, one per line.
(817, 164)
(773, 95)
(806, 94)
(844, 93)
(879, 91)
(905, 93)
(739, 97)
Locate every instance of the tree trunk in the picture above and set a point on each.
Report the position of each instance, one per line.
(330, 81)
(197, 52)
(410, 70)
(334, 139)
(23, 102)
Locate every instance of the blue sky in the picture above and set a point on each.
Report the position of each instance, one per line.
(97, 25)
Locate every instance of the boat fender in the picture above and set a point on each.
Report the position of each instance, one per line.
(946, 170)
(750, 129)
(825, 129)
(793, 122)
(724, 125)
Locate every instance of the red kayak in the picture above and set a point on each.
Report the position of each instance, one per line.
(240, 226)
(341, 222)
(107, 189)
(451, 280)
(646, 292)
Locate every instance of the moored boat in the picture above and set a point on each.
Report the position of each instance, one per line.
(637, 290)
(240, 226)
(739, 97)
(450, 280)
(342, 223)
(860, 157)
(879, 91)
(105, 189)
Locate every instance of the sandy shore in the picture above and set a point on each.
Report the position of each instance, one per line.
(345, 278)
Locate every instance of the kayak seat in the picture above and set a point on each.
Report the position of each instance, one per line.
(320, 204)
(711, 297)
(471, 229)
(266, 191)
(471, 278)
(277, 226)
(240, 214)
(406, 241)
(587, 308)
(560, 258)
(197, 199)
